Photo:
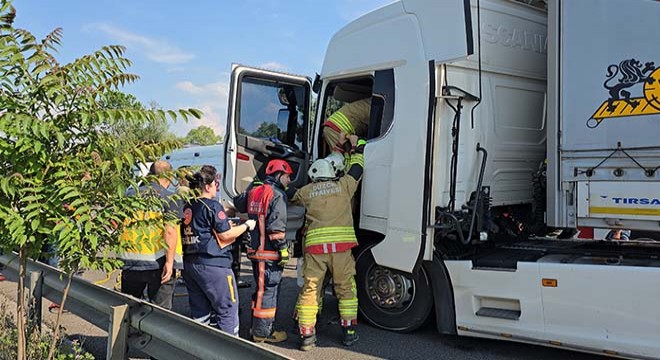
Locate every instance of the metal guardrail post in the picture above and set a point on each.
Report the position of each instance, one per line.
(35, 299)
(162, 333)
(118, 333)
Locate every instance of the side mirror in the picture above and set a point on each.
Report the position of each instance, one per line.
(282, 121)
(316, 85)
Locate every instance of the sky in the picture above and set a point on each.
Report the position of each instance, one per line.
(183, 51)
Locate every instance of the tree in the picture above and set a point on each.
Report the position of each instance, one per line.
(129, 133)
(202, 135)
(62, 177)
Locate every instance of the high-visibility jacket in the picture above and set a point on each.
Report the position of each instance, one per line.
(329, 212)
(146, 246)
(265, 202)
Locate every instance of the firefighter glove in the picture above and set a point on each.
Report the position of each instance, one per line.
(359, 148)
(250, 224)
(284, 257)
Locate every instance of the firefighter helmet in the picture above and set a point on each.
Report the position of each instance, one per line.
(337, 161)
(321, 170)
(276, 165)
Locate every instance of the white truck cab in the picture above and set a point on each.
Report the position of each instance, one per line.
(468, 99)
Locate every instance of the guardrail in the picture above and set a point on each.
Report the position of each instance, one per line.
(158, 332)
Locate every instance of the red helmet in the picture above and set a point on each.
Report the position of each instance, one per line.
(276, 165)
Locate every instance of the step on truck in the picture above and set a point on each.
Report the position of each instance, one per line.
(497, 129)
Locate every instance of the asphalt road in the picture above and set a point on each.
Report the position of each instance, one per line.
(374, 343)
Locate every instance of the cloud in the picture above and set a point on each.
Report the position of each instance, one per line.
(218, 89)
(275, 66)
(158, 50)
(213, 117)
(211, 98)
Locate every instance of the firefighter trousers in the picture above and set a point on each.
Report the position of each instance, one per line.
(267, 277)
(342, 267)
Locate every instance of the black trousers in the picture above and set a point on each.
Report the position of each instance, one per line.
(134, 282)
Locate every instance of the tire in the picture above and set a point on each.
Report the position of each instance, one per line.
(382, 305)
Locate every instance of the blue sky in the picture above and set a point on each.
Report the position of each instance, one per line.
(183, 51)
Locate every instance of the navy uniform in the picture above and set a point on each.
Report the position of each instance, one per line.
(207, 265)
(266, 202)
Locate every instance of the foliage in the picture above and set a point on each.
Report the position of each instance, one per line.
(202, 135)
(40, 342)
(63, 172)
(130, 133)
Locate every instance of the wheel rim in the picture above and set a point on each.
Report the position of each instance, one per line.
(389, 290)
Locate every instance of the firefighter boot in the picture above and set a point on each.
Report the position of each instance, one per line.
(274, 337)
(350, 336)
(307, 342)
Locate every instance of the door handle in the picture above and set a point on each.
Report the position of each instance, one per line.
(283, 151)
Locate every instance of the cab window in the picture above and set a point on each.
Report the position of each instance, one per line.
(272, 111)
(378, 89)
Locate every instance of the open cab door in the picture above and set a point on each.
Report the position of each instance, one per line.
(268, 118)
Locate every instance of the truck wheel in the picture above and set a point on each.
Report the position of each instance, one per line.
(391, 299)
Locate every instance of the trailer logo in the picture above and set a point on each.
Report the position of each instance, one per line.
(620, 77)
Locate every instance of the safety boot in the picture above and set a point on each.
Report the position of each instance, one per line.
(274, 337)
(307, 342)
(350, 336)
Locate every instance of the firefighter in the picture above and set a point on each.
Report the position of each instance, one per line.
(208, 238)
(330, 238)
(268, 248)
(350, 119)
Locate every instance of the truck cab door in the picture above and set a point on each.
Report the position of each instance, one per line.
(268, 117)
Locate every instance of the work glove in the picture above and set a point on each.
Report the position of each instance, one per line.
(359, 147)
(284, 257)
(250, 224)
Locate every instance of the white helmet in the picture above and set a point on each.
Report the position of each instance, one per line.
(320, 170)
(337, 161)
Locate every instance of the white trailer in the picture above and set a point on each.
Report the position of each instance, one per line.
(464, 95)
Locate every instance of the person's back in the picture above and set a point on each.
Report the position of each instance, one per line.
(265, 201)
(150, 255)
(328, 241)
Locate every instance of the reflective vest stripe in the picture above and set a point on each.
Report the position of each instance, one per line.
(143, 257)
(342, 122)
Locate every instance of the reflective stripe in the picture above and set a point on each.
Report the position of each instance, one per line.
(307, 314)
(356, 159)
(348, 308)
(263, 255)
(141, 256)
(231, 288)
(328, 235)
(264, 313)
(342, 122)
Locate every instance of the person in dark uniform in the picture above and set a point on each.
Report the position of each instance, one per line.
(208, 238)
(268, 248)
